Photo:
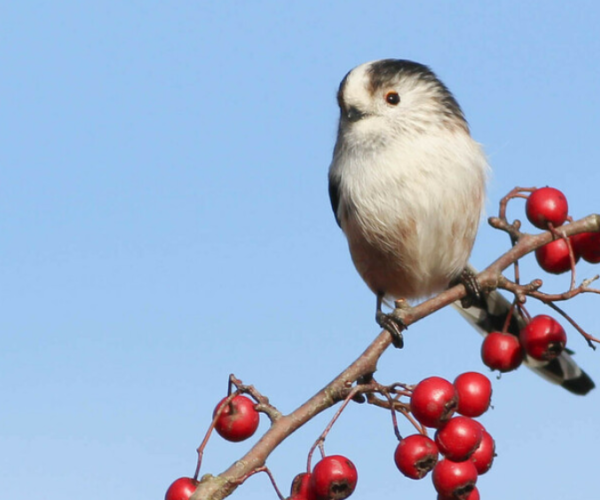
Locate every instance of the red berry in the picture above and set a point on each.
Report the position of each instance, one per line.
(333, 478)
(454, 479)
(416, 455)
(474, 495)
(474, 393)
(459, 438)
(238, 421)
(433, 401)
(502, 352)
(587, 245)
(543, 338)
(546, 205)
(554, 257)
(181, 489)
(483, 456)
(301, 487)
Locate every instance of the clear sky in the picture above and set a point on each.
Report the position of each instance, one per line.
(164, 221)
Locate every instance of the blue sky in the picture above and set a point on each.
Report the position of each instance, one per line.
(165, 222)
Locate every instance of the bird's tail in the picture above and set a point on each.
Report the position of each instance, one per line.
(563, 370)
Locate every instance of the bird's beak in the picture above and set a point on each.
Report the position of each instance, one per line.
(354, 114)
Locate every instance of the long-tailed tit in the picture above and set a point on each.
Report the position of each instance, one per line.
(407, 186)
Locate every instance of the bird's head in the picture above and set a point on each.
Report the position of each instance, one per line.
(390, 96)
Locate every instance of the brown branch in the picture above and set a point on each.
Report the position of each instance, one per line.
(532, 290)
(219, 487)
(263, 404)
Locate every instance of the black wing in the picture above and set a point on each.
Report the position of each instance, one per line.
(334, 196)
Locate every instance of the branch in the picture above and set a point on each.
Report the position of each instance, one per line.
(219, 487)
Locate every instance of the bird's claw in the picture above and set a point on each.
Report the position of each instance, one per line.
(394, 324)
(475, 296)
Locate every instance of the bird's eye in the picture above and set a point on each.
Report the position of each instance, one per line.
(392, 98)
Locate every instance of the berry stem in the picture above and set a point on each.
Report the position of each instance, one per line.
(516, 192)
(321, 439)
(509, 316)
(211, 427)
(265, 469)
(589, 338)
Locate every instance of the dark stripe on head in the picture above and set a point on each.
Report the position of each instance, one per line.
(387, 72)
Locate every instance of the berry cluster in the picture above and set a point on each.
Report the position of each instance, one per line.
(547, 208)
(542, 338)
(235, 419)
(467, 448)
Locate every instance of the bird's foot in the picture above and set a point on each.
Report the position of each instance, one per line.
(475, 295)
(394, 322)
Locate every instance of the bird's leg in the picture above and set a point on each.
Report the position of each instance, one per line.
(393, 322)
(475, 295)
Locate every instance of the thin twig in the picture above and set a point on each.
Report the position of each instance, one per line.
(211, 427)
(509, 316)
(265, 469)
(321, 439)
(589, 338)
(263, 405)
(516, 192)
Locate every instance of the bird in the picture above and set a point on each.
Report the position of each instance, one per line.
(407, 185)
